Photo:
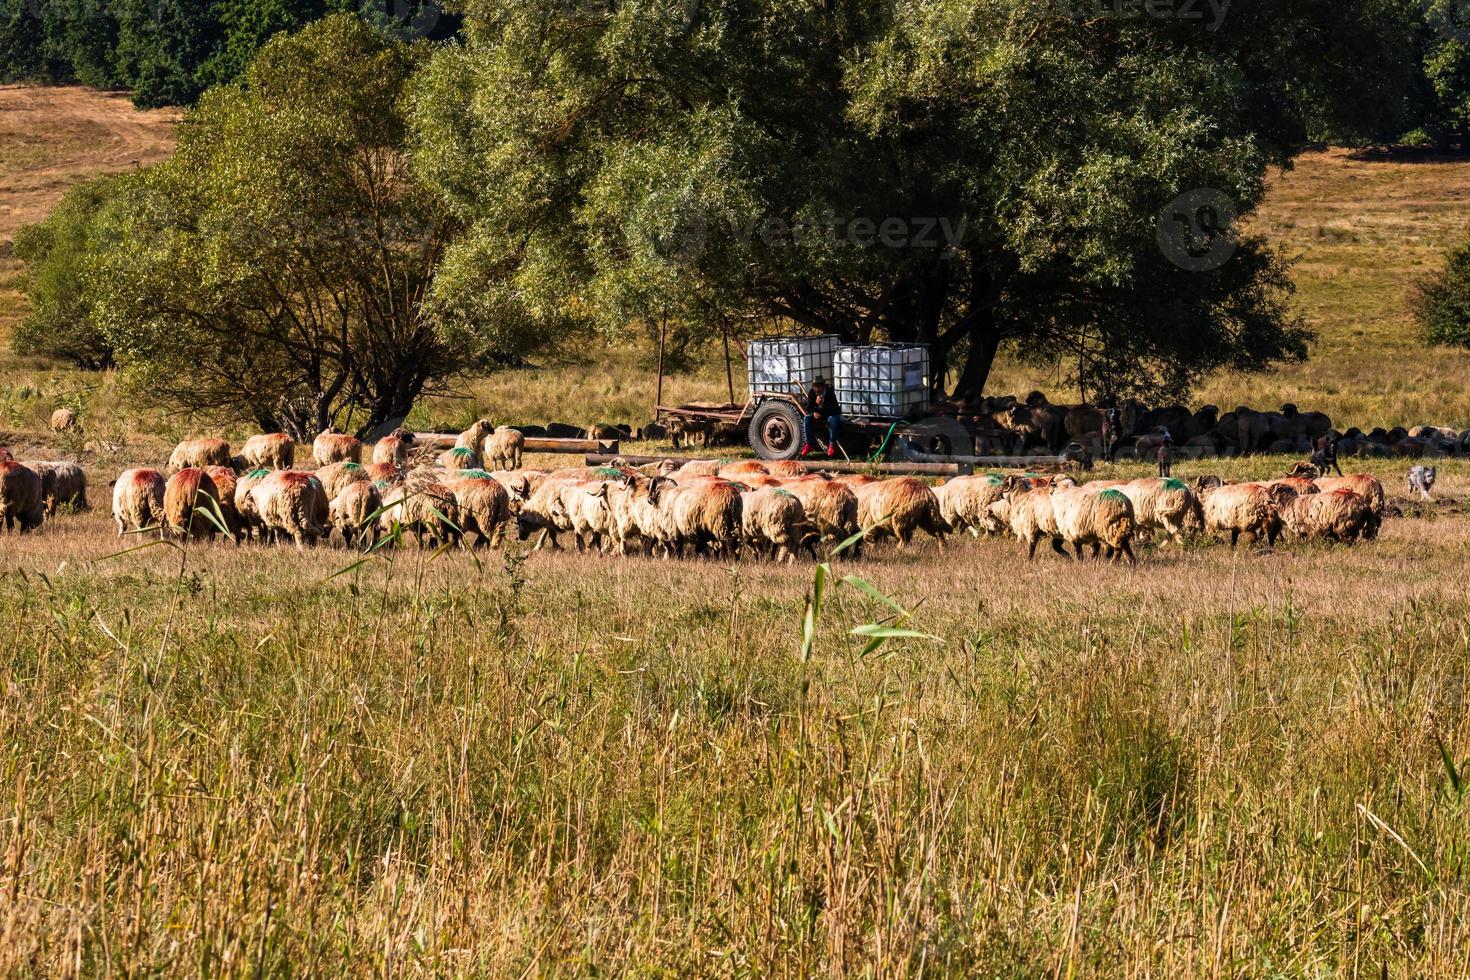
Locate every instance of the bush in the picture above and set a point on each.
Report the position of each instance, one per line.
(60, 255)
(1442, 302)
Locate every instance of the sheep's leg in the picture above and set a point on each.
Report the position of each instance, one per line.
(1031, 548)
(1126, 547)
(1056, 545)
(1077, 547)
(1234, 536)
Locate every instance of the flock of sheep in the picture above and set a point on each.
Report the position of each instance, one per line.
(1035, 423)
(775, 509)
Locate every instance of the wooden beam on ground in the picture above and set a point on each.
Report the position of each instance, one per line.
(812, 465)
(439, 440)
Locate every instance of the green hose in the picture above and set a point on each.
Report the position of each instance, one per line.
(883, 448)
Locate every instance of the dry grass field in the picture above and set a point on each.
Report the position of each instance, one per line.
(225, 760)
(220, 760)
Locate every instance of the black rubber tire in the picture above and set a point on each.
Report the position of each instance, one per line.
(775, 431)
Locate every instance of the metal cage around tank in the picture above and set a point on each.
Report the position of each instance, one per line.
(890, 381)
(788, 365)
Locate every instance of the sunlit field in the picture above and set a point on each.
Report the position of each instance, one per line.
(226, 760)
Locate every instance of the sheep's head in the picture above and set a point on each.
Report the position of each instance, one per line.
(1204, 484)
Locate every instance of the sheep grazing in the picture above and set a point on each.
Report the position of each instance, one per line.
(1337, 515)
(831, 507)
(739, 471)
(474, 437)
(539, 512)
(426, 509)
(1360, 483)
(964, 502)
(186, 504)
(899, 507)
(137, 501)
(291, 504)
(1100, 518)
(1166, 505)
(774, 521)
(637, 525)
(245, 509)
(667, 467)
(354, 513)
(583, 509)
(64, 420)
(334, 447)
(22, 502)
(459, 458)
(1241, 508)
(705, 517)
(227, 482)
(697, 468)
(384, 474)
(519, 484)
(393, 449)
(337, 477)
(504, 449)
(1026, 508)
(62, 483)
(267, 452)
(199, 453)
(787, 469)
(484, 506)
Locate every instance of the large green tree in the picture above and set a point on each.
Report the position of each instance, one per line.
(277, 266)
(736, 161)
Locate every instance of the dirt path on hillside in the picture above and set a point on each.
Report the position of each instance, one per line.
(52, 138)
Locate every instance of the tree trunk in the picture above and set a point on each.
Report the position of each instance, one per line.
(984, 345)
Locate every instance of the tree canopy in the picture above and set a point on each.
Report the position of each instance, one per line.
(278, 265)
(741, 159)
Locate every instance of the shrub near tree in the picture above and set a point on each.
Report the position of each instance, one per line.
(61, 254)
(1442, 301)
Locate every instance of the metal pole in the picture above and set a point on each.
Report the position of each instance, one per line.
(663, 328)
(729, 372)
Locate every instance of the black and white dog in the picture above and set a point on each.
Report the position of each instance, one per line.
(1421, 480)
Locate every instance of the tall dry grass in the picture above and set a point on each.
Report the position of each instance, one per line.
(1223, 763)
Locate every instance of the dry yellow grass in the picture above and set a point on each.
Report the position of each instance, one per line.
(1222, 763)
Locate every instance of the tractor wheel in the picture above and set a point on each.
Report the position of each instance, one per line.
(775, 431)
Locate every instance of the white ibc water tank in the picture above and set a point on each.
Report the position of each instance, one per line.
(884, 380)
(788, 365)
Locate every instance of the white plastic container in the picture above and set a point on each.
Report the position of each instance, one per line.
(789, 365)
(885, 380)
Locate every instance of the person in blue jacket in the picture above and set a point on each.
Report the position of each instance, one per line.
(821, 406)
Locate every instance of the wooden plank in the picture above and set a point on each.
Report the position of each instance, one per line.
(812, 465)
(440, 440)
